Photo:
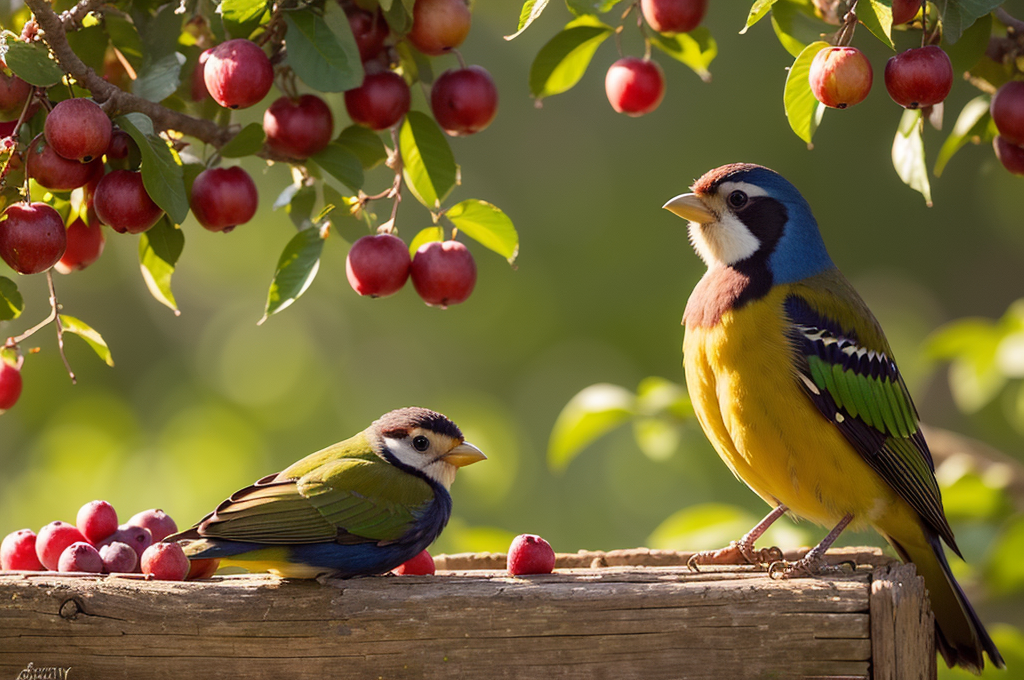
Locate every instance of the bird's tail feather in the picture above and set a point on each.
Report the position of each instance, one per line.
(960, 636)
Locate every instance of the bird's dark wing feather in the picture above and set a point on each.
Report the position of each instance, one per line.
(859, 389)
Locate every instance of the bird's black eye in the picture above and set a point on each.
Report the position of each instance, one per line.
(737, 199)
(420, 443)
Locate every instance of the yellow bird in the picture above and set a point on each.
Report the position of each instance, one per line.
(795, 385)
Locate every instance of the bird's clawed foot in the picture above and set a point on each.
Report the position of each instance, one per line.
(737, 552)
(815, 566)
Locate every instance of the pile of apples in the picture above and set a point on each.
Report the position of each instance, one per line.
(97, 544)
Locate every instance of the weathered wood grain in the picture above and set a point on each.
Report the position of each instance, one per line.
(902, 625)
(616, 622)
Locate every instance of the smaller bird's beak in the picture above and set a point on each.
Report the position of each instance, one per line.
(464, 454)
(690, 207)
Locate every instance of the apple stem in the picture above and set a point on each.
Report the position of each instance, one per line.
(458, 55)
(54, 305)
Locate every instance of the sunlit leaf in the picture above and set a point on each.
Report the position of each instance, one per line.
(241, 17)
(486, 224)
(342, 164)
(296, 269)
(656, 396)
(798, 98)
(971, 123)
(300, 205)
(427, 235)
(709, 526)
(563, 60)
(11, 302)
(161, 168)
(697, 49)
(581, 8)
(87, 333)
(159, 80)
(365, 144)
(322, 50)
(428, 164)
(657, 438)
(248, 141)
(31, 62)
(531, 10)
(796, 28)
(159, 250)
(972, 345)
(593, 412)
(908, 154)
(757, 12)
(971, 498)
(398, 16)
(877, 17)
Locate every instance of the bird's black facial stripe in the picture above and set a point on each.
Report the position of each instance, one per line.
(765, 218)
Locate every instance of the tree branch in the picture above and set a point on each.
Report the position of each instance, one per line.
(114, 100)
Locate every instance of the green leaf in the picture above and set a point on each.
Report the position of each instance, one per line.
(657, 438)
(696, 49)
(86, 332)
(11, 302)
(159, 250)
(161, 168)
(795, 28)
(160, 79)
(428, 235)
(658, 396)
(970, 48)
(971, 123)
(241, 17)
(908, 154)
(563, 60)
(757, 12)
(798, 98)
(486, 224)
(399, 17)
(365, 144)
(296, 269)
(31, 62)
(531, 10)
(125, 37)
(959, 15)
(877, 17)
(322, 50)
(1005, 572)
(248, 141)
(342, 164)
(594, 412)
(90, 44)
(581, 8)
(427, 161)
(709, 526)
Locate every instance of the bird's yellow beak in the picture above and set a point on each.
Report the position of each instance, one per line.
(690, 207)
(464, 454)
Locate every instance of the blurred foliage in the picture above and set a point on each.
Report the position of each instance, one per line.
(205, 403)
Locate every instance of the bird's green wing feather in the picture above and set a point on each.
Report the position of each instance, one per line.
(347, 500)
(847, 370)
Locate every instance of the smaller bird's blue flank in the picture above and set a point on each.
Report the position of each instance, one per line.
(800, 252)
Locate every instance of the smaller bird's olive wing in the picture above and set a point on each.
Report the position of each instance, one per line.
(370, 499)
(268, 512)
(860, 390)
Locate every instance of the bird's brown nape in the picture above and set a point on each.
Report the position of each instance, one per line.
(712, 178)
(397, 424)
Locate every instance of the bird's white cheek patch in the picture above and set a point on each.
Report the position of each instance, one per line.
(727, 241)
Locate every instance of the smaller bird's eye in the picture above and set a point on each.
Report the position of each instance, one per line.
(737, 199)
(420, 443)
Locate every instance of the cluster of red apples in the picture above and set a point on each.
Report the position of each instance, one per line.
(636, 86)
(917, 78)
(80, 148)
(97, 544)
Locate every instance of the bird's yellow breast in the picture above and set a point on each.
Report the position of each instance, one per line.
(741, 376)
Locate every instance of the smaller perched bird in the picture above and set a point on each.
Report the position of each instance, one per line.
(794, 383)
(360, 507)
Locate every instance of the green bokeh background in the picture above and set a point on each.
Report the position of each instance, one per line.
(202, 404)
